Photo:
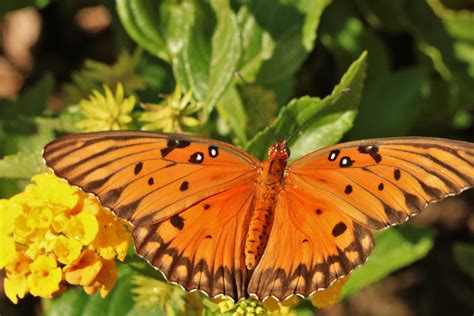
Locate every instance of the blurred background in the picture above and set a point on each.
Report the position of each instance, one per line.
(420, 81)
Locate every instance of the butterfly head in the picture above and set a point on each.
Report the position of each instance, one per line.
(279, 151)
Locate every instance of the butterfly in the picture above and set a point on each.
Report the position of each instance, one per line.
(213, 218)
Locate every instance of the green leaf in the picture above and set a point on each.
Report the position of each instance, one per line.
(140, 20)
(344, 34)
(292, 26)
(225, 52)
(76, 302)
(72, 302)
(28, 161)
(232, 111)
(139, 265)
(436, 42)
(464, 256)
(389, 107)
(22, 165)
(257, 45)
(395, 248)
(321, 122)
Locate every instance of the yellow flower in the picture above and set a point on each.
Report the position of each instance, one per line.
(7, 251)
(82, 228)
(45, 277)
(105, 280)
(172, 114)
(84, 271)
(112, 239)
(15, 288)
(67, 250)
(52, 234)
(9, 210)
(329, 296)
(48, 190)
(106, 112)
(40, 217)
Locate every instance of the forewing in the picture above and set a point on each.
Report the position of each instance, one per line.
(382, 182)
(148, 177)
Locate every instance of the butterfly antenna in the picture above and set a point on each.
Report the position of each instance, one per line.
(306, 123)
(253, 102)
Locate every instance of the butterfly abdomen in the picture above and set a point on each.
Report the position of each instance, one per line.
(261, 221)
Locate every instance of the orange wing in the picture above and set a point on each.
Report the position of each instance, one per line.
(333, 197)
(311, 245)
(149, 177)
(202, 247)
(382, 182)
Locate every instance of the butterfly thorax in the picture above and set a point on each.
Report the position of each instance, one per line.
(268, 187)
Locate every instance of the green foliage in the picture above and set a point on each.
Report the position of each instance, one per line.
(395, 249)
(464, 256)
(319, 122)
(361, 86)
(76, 302)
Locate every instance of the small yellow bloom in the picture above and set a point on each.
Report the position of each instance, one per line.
(105, 280)
(40, 217)
(7, 251)
(67, 250)
(84, 271)
(82, 228)
(176, 111)
(15, 288)
(45, 277)
(112, 239)
(23, 227)
(329, 296)
(48, 190)
(106, 112)
(9, 210)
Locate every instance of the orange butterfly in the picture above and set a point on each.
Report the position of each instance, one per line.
(213, 218)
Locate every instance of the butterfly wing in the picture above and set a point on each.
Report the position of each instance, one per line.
(148, 177)
(333, 197)
(310, 246)
(382, 182)
(201, 248)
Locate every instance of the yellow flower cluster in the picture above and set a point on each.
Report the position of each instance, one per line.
(175, 112)
(105, 112)
(52, 235)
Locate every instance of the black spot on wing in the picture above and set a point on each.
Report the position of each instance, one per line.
(184, 186)
(213, 151)
(348, 189)
(381, 187)
(197, 157)
(151, 181)
(339, 229)
(396, 174)
(373, 151)
(346, 161)
(172, 145)
(206, 206)
(138, 168)
(333, 154)
(177, 221)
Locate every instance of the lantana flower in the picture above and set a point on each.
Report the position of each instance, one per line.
(105, 112)
(52, 235)
(175, 112)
